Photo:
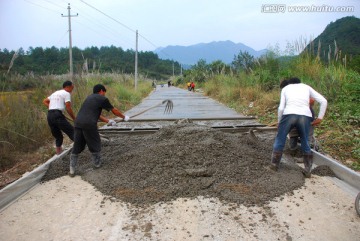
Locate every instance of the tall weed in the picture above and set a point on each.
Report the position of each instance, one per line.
(23, 122)
(258, 94)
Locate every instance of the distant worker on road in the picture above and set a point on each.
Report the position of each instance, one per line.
(86, 130)
(188, 86)
(56, 103)
(293, 112)
(192, 86)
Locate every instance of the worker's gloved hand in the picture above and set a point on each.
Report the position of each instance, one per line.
(126, 118)
(111, 123)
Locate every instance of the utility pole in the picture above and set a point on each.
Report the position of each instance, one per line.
(173, 68)
(70, 43)
(136, 60)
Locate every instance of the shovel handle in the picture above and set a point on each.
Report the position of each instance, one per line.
(266, 128)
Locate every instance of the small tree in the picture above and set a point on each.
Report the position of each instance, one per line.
(243, 62)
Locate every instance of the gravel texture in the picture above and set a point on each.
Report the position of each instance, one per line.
(186, 160)
(323, 171)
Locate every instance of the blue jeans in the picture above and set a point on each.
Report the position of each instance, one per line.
(287, 122)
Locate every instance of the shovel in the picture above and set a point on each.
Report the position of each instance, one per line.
(266, 128)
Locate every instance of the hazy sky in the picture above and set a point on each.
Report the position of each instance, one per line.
(160, 23)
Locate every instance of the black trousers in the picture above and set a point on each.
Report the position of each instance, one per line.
(89, 137)
(58, 123)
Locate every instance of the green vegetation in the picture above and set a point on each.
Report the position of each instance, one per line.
(252, 91)
(23, 125)
(251, 86)
(339, 42)
(345, 32)
(53, 61)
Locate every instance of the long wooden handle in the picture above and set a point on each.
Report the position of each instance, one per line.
(142, 112)
(145, 110)
(266, 128)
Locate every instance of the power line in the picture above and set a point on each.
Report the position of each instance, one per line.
(89, 18)
(97, 33)
(134, 31)
(42, 6)
(102, 26)
(66, 32)
(148, 41)
(53, 3)
(108, 16)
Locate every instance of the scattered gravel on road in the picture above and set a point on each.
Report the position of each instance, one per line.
(323, 171)
(186, 160)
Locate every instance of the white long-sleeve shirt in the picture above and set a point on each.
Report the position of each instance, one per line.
(295, 98)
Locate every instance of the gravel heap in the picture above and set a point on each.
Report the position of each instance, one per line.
(186, 160)
(323, 171)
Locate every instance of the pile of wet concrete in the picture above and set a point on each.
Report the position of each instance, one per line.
(186, 160)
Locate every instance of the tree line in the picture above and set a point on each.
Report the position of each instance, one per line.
(54, 61)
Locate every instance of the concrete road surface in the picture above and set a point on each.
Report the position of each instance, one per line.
(71, 209)
(186, 105)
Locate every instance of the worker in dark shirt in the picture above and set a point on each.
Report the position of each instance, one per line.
(86, 129)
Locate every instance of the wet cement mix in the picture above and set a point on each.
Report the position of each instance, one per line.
(185, 160)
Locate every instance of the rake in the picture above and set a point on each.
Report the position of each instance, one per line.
(168, 108)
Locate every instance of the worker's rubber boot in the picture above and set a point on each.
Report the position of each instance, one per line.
(275, 160)
(308, 162)
(96, 159)
(73, 164)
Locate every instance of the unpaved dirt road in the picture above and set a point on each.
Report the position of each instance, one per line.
(186, 181)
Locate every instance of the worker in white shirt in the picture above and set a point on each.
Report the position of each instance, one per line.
(293, 112)
(56, 103)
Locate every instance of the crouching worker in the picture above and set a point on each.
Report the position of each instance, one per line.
(293, 112)
(86, 129)
(294, 134)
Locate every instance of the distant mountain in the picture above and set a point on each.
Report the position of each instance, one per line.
(221, 50)
(345, 31)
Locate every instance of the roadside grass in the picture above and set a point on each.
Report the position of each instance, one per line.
(338, 134)
(23, 126)
(24, 129)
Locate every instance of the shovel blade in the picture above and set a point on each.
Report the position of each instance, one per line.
(252, 135)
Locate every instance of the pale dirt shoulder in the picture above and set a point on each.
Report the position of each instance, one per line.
(320, 210)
